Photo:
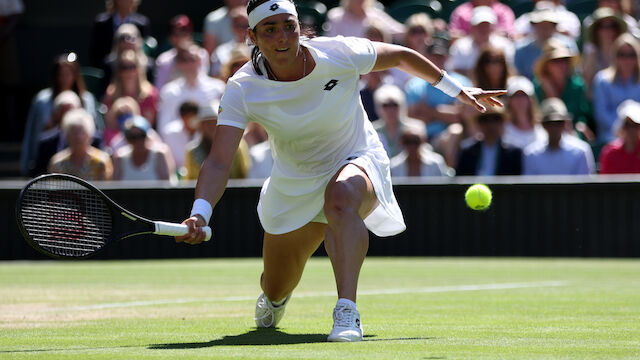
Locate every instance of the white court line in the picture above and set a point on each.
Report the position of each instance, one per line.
(422, 290)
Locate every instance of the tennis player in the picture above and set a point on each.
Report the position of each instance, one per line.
(330, 180)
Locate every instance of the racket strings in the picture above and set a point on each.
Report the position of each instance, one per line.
(65, 218)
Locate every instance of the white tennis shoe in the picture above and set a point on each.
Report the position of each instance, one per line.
(346, 324)
(267, 314)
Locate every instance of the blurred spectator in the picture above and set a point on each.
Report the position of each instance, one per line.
(391, 105)
(570, 24)
(419, 33)
(435, 108)
(561, 153)
(217, 25)
(555, 76)
(142, 158)
(616, 5)
(180, 34)
(352, 17)
(523, 116)
(80, 158)
(127, 37)
(487, 154)
(622, 155)
(491, 70)
(239, 26)
(198, 150)
(597, 53)
(121, 109)
(460, 21)
(239, 56)
(131, 80)
(179, 133)
(613, 85)
(465, 51)
(65, 75)
(52, 141)
(260, 151)
(105, 25)
(417, 157)
(371, 82)
(193, 85)
(528, 49)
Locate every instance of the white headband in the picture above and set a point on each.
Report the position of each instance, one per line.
(271, 8)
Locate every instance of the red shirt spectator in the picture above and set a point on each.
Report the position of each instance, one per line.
(615, 159)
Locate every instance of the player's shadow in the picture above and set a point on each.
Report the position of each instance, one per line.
(267, 336)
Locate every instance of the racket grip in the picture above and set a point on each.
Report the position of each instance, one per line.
(173, 229)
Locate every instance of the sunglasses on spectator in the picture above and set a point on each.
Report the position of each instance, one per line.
(494, 61)
(631, 125)
(390, 104)
(411, 141)
(136, 135)
(417, 30)
(186, 58)
(626, 54)
(127, 67)
(607, 25)
(127, 38)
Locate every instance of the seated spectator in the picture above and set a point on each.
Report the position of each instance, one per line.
(561, 153)
(529, 49)
(555, 76)
(105, 24)
(463, 54)
(487, 154)
(353, 16)
(613, 85)
(523, 116)
(419, 33)
(123, 108)
(260, 150)
(598, 53)
(616, 5)
(491, 70)
(391, 104)
(142, 158)
(197, 151)
(417, 157)
(127, 37)
(430, 105)
(180, 133)
(569, 26)
(130, 80)
(193, 85)
(180, 34)
(460, 21)
(65, 75)
(622, 155)
(80, 158)
(52, 141)
(239, 26)
(217, 25)
(240, 55)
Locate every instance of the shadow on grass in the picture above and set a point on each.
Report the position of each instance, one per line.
(253, 337)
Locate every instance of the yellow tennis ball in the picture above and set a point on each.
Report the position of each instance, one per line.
(478, 197)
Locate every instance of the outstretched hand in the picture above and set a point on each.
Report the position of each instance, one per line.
(196, 235)
(475, 97)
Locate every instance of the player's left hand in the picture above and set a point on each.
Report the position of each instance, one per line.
(475, 97)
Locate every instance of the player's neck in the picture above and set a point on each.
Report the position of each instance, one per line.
(298, 70)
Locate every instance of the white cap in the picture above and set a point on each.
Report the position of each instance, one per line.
(206, 112)
(519, 83)
(545, 11)
(629, 109)
(482, 14)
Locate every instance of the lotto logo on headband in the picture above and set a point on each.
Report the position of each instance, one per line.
(271, 8)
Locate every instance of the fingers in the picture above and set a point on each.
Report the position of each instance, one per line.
(196, 235)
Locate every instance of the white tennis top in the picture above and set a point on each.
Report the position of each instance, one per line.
(315, 125)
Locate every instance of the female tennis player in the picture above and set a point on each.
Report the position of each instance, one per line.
(330, 180)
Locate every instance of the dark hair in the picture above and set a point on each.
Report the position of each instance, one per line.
(71, 60)
(188, 107)
(306, 31)
(480, 72)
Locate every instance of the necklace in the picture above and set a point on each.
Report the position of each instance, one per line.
(304, 67)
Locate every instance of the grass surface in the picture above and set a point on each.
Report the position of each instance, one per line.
(412, 308)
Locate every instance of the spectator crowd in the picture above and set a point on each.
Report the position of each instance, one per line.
(572, 105)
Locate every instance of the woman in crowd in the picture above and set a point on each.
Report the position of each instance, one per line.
(622, 155)
(65, 75)
(127, 37)
(613, 85)
(522, 127)
(491, 70)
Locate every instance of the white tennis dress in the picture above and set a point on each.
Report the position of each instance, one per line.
(316, 125)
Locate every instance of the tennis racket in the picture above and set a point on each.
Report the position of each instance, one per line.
(63, 216)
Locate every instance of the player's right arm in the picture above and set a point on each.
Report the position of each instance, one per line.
(213, 177)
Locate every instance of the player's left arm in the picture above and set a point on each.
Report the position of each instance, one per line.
(412, 62)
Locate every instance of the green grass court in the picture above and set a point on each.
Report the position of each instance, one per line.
(412, 308)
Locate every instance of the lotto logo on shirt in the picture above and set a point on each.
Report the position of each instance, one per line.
(219, 109)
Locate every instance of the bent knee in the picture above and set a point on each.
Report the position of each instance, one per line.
(341, 198)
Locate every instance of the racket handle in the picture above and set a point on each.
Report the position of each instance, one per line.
(173, 229)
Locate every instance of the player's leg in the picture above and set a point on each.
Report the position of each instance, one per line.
(349, 198)
(284, 258)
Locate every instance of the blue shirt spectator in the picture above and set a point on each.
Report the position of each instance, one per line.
(528, 50)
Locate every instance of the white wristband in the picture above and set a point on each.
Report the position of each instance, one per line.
(202, 208)
(448, 85)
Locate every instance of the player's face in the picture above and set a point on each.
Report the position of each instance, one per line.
(278, 38)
